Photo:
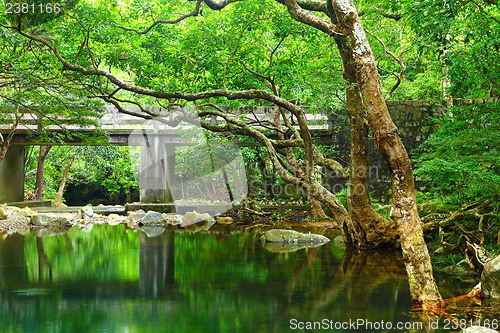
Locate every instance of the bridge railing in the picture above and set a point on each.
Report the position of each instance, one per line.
(113, 120)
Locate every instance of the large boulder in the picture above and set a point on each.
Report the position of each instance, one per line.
(172, 218)
(292, 236)
(153, 218)
(49, 220)
(490, 278)
(85, 212)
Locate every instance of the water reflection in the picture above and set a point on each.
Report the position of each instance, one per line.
(116, 280)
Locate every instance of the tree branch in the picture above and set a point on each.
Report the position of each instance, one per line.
(399, 60)
(194, 13)
(218, 5)
(301, 15)
(311, 5)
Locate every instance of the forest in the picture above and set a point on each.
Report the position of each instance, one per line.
(344, 60)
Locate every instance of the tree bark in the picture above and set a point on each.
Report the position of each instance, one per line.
(316, 210)
(377, 230)
(62, 184)
(44, 150)
(423, 288)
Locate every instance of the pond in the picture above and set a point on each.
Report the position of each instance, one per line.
(109, 279)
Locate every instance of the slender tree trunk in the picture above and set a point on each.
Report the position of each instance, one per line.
(44, 150)
(316, 209)
(48, 181)
(62, 184)
(423, 287)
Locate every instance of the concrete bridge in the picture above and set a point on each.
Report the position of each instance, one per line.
(157, 139)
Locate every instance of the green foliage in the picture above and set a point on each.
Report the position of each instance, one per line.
(464, 37)
(112, 167)
(31, 80)
(461, 160)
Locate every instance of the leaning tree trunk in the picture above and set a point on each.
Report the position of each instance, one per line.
(377, 230)
(423, 288)
(316, 208)
(44, 150)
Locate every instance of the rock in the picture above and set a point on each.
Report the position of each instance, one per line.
(49, 220)
(339, 239)
(292, 236)
(153, 218)
(340, 242)
(224, 220)
(115, 219)
(136, 216)
(428, 208)
(490, 278)
(85, 212)
(289, 247)
(195, 217)
(4, 213)
(207, 224)
(461, 269)
(478, 329)
(172, 218)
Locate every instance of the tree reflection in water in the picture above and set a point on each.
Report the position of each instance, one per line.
(112, 279)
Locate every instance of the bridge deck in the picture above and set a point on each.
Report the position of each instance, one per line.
(119, 126)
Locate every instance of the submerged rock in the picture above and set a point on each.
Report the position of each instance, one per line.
(490, 278)
(340, 242)
(289, 247)
(152, 231)
(199, 226)
(49, 220)
(292, 236)
(85, 212)
(153, 218)
(461, 269)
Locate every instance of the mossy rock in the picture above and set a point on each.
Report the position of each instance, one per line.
(428, 208)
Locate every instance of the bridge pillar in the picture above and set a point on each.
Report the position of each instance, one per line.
(12, 175)
(157, 169)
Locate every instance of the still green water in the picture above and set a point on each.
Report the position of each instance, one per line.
(110, 279)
